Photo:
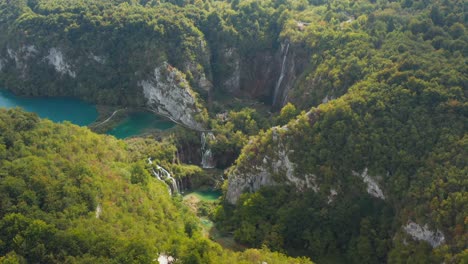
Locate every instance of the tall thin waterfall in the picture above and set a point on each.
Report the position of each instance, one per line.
(281, 77)
(207, 155)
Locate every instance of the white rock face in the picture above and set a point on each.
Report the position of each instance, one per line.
(372, 186)
(240, 182)
(168, 93)
(21, 55)
(327, 99)
(331, 196)
(57, 59)
(30, 50)
(12, 54)
(98, 210)
(417, 232)
(165, 259)
(98, 59)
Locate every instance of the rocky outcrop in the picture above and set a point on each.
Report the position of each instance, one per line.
(168, 93)
(102, 75)
(98, 211)
(272, 165)
(98, 59)
(20, 57)
(57, 59)
(372, 187)
(274, 169)
(417, 232)
(266, 75)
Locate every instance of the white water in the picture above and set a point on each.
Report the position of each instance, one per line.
(280, 80)
(162, 174)
(207, 154)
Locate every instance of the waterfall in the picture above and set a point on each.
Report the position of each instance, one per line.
(163, 175)
(281, 77)
(168, 176)
(207, 155)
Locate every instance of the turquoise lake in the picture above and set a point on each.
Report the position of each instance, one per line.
(139, 123)
(57, 109)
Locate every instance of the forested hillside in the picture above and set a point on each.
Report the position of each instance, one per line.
(71, 196)
(378, 175)
(344, 124)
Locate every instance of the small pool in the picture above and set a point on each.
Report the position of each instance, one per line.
(206, 195)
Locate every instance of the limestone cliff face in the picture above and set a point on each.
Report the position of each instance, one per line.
(168, 93)
(424, 233)
(278, 157)
(97, 76)
(274, 163)
(264, 75)
(56, 59)
(269, 169)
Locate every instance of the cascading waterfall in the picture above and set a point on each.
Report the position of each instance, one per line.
(167, 175)
(207, 155)
(281, 77)
(163, 175)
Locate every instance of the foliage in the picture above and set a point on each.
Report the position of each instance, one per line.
(232, 132)
(400, 115)
(71, 196)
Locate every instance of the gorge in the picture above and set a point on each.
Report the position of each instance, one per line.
(330, 130)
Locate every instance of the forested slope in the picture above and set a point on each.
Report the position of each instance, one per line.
(375, 174)
(404, 143)
(71, 196)
(379, 174)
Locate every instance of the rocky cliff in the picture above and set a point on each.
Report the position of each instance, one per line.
(275, 163)
(340, 152)
(168, 93)
(267, 75)
(63, 71)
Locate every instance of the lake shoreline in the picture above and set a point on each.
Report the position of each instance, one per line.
(121, 122)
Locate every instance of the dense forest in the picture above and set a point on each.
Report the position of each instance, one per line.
(71, 196)
(341, 126)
